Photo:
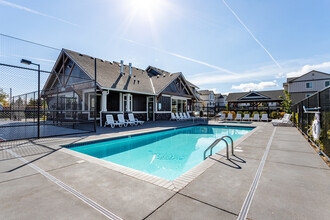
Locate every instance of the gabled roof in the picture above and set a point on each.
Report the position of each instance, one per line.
(291, 79)
(150, 81)
(218, 95)
(205, 92)
(192, 85)
(108, 74)
(271, 95)
(160, 79)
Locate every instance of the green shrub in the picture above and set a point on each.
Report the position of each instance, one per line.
(255, 112)
(246, 112)
(263, 112)
(240, 112)
(274, 115)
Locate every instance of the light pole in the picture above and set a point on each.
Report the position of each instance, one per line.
(28, 62)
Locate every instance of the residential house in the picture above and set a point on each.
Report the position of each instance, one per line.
(207, 98)
(220, 101)
(151, 94)
(303, 86)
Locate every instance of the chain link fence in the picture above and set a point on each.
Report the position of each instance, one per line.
(63, 103)
(304, 121)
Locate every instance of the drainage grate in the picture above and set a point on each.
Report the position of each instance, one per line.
(248, 200)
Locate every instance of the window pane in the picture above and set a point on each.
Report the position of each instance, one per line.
(174, 106)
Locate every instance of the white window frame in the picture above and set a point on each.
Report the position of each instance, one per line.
(129, 102)
(325, 83)
(311, 85)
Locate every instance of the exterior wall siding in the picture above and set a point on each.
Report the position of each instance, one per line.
(165, 102)
(301, 86)
(139, 102)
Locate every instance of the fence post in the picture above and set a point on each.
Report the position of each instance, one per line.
(95, 99)
(38, 101)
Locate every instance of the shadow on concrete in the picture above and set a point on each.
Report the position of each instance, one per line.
(230, 162)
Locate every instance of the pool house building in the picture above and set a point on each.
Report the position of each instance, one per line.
(151, 93)
(255, 100)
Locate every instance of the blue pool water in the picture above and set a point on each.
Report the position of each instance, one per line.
(167, 154)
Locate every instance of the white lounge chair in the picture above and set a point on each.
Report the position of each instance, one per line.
(238, 117)
(186, 116)
(173, 117)
(178, 116)
(246, 117)
(110, 121)
(284, 121)
(182, 116)
(122, 120)
(222, 116)
(135, 120)
(264, 117)
(230, 116)
(256, 117)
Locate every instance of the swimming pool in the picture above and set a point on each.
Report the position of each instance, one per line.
(166, 154)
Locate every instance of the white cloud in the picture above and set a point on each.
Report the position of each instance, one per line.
(254, 86)
(215, 90)
(325, 66)
(202, 79)
(20, 7)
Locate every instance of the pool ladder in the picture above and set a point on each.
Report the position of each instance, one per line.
(216, 142)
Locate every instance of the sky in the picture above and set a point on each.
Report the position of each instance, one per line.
(224, 45)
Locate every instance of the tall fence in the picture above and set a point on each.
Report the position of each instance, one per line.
(304, 121)
(66, 103)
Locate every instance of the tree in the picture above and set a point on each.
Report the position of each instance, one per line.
(3, 98)
(287, 102)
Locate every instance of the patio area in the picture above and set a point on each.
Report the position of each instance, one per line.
(46, 182)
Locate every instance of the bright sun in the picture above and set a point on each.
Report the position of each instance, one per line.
(147, 8)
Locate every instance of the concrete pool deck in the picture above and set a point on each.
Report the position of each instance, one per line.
(294, 183)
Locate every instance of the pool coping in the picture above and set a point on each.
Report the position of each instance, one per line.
(173, 185)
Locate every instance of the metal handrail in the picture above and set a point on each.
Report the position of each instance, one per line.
(216, 142)
(232, 144)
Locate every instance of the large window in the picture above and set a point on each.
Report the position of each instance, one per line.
(174, 105)
(309, 85)
(127, 102)
(179, 105)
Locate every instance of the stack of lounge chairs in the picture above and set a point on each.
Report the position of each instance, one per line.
(181, 116)
(122, 121)
(256, 117)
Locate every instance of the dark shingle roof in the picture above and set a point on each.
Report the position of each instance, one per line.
(273, 95)
(108, 75)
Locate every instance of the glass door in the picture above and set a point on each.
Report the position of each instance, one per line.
(150, 108)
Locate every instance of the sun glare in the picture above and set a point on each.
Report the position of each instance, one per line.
(147, 8)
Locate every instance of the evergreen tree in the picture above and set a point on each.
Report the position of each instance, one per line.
(287, 102)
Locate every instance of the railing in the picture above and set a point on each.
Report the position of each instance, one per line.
(216, 142)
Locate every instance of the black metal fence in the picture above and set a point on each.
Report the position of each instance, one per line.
(304, 121)
(66, 103)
